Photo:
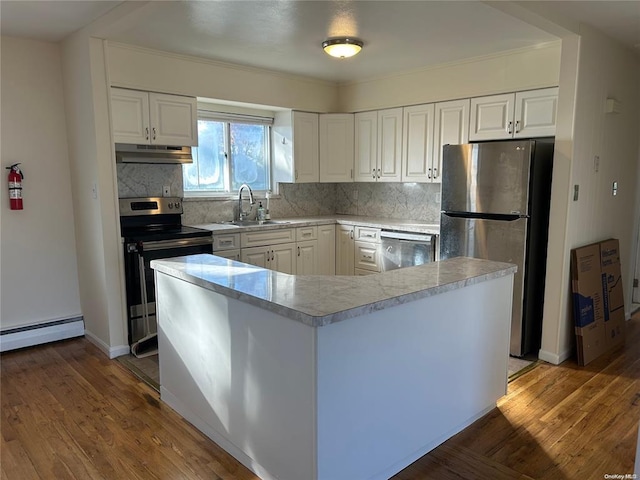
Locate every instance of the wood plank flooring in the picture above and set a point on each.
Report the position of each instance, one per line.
(68, 412)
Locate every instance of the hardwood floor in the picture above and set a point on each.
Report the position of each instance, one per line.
(69, 412)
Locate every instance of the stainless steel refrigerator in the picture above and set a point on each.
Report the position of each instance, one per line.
(495, 206)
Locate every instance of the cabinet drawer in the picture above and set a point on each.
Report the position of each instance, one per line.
(367, 234)
(367, 256)
(269, 237)
(306, 233)
(226, 241)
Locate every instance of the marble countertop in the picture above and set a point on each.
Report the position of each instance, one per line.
(388, 223)
(319, 300)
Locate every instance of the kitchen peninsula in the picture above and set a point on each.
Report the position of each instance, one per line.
(332, 377)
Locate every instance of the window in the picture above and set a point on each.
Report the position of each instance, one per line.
(232, 150)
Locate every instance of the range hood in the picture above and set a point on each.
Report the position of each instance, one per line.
(126, 153)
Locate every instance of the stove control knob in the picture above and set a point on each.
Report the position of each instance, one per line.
(170, 205)
(177, 204)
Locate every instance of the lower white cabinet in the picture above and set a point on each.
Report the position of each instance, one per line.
(307, 257)
(326, 264)
(230, 254)
(345, 247)
(279, 257)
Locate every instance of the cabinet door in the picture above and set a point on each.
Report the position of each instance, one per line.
(389, 145)
(326, 250)
(283, 258)
(536, 113)
(336, 147)
(230, 254)
(417, 149)
(130, 116)
(492, 117)
(259, 256)
(344, 250)
(367, 256)
(451, 127)
(307, 260)
(305, 147)
(366, 146)
(173, 119)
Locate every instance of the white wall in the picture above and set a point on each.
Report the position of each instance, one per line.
(604, 69)
(93, 163)
(39, 267)
(152, 70)
(500, 73)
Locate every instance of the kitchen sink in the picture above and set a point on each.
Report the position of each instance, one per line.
(253, 223)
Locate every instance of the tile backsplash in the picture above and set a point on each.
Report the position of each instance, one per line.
(406, 201)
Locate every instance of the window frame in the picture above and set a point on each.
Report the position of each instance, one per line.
(227, 119)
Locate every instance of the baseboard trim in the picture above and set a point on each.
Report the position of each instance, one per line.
(37, 334)
(111, 352)
(553, 358)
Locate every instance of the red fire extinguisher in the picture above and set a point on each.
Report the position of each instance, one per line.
(15, 186)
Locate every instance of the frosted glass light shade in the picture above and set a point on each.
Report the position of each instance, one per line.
(342, 47)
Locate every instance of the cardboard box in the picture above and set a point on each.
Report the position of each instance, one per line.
(613, 296)
(598, 304)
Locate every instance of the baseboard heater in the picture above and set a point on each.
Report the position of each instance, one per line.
(31, 335)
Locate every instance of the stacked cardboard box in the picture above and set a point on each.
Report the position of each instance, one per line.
(598, 304)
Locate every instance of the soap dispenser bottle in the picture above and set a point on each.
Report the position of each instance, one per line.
(261, 213)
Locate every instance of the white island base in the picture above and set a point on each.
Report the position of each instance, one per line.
(361, 398)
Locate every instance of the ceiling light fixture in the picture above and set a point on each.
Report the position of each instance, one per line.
(342, 47)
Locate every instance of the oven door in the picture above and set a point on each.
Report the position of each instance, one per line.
(139, 279)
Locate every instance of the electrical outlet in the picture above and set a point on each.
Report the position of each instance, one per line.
(166, 191)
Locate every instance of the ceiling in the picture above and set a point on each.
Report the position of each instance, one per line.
(284, 35)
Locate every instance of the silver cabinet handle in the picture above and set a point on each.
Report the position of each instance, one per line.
(296, 174)
(272, 256)
(154, 132)
(146, 133)
(298, 251)
(429, 174)
(379, 173)
(226, 242)
(517, 126)
(510, 128)
(435, 173)
(374, 173)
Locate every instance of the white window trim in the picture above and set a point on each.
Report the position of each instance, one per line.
(206, 114)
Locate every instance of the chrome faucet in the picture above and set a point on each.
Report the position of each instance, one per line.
(242, 215)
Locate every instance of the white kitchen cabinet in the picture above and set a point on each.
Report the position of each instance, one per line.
(345, 245)
(536, 113)
(144, 118)
(417, 143)
(378, 146)
(326, 250)
(226, 241)
(366, 146)
(267, 237)
(514, 115)
(307, 257)
(230, 254)
(295, 147)
(451, 128)
(367, 256)
(336, 139)
(280, 257)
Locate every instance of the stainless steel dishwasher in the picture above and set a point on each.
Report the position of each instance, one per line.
(406, 249)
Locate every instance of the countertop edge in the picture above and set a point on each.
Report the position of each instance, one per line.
(499, 269)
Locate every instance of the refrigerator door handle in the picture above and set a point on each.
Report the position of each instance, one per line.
(485, 216)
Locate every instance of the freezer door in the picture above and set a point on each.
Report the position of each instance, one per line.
(490, 177)
(501, 241)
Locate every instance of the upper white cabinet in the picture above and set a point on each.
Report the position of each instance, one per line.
(144, 118)
(295, 147)
(514, 115)
(452, 128)
(536, 113)
(417, 151)
(336, 147)
(378, 146)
